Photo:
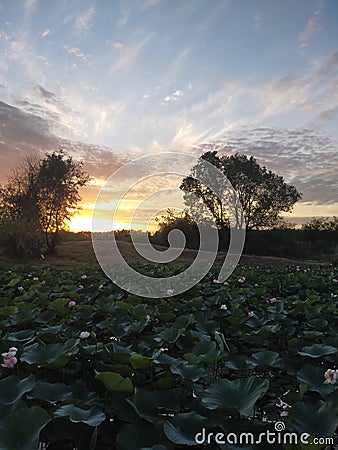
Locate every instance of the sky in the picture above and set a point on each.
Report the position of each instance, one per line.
(110, 81)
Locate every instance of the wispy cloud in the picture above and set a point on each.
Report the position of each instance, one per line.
(29, 6)
(21, 134)
(313, 25)
(45, 33)
(124, 17)
(23, 53)
(329, 114)
(151, 3)
(53, 109)
(128, 54)
(304, 157)
(284, 93)
(258, 20)
(117, 46)
(5, 36)
(309, 99)
(188, 135)
(46, 95)
(24, 133)
(215, 10)
(104, 116)
(78, 53)
(84, 21)
(176, 66)
(174, 96)
(325, 65)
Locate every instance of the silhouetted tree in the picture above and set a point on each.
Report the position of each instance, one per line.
(43, 194)
(18, 199)
(262, 194)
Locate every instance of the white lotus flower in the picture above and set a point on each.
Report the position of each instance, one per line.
(84, 334)
(331, 376)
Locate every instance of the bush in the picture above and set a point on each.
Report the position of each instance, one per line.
(183, 223)
(17, 239)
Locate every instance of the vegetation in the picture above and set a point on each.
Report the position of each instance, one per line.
(89, 364)
(39, 198)
(262, 194)
(322, 224)
(180, 221)
(284, 242)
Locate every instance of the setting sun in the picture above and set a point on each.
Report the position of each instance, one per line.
(84, 223)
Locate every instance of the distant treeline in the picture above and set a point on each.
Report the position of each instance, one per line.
(315, 240)
(299, 244)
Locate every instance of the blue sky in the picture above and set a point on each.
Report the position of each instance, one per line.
(111, 80)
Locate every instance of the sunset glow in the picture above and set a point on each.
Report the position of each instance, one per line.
(113, 81)
(84, 223)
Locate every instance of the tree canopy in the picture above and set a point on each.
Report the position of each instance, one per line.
(43, 193)
(322, 224)
(262, 194)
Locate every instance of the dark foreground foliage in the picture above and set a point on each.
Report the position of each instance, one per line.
(152, 373)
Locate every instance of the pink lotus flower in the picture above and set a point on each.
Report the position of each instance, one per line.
(256, 285)
(84, 276)
(71, 303)
(251, 313)
(80, 286)
(224, 307)
(226, 283)
(21, 288)
(9, 359)
(216, 281)
(170, 292)
(334, 280)
(9, 363)
(272, 300)
(241, 280)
